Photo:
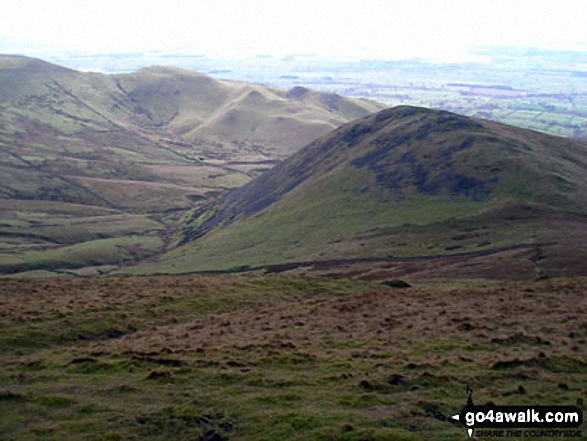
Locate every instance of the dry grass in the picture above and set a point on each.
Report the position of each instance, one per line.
(272, 357)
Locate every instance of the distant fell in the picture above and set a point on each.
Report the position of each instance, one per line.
(224, 119)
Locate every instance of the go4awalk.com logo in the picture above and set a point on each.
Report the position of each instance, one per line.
(547, 422)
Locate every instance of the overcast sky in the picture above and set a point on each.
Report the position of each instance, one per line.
(384, 29)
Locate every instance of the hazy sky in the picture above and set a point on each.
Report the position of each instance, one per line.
(441, 29)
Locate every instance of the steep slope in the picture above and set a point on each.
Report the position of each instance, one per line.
(403, 182)
(77, 148)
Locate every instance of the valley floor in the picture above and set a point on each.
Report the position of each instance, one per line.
(275, 357)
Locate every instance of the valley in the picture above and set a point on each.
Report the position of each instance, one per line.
(96, 169)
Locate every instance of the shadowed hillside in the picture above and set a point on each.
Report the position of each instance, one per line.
(404, 182)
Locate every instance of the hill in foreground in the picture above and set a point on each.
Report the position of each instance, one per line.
(94, 166)
(405, 183)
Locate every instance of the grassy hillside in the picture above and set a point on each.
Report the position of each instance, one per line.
(76, 148)
(401, 183)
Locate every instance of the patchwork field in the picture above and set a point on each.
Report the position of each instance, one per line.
(261, 357)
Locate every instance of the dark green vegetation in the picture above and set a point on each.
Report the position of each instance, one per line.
(401, 183)
(280, 358)
(94, 168)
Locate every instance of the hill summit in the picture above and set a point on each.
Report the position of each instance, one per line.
(403, 182)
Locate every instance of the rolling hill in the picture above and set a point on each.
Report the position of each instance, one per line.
(405, 183)
(92, 166)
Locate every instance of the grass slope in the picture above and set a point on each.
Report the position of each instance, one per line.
(394, 184)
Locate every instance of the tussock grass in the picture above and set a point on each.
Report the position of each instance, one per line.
(275, 357)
